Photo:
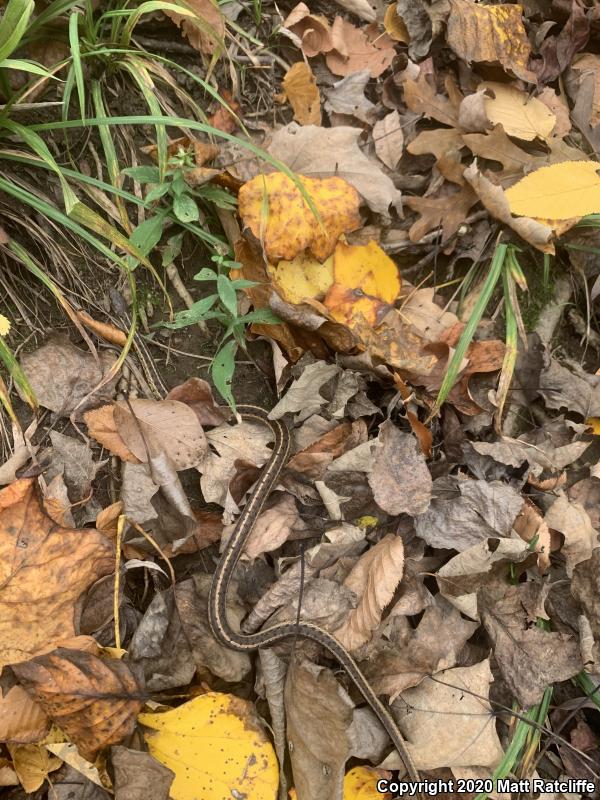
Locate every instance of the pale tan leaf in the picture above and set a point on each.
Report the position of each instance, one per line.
(273, 527)
(389, 139)
(22, 720)
(373, 579)
(519, 114)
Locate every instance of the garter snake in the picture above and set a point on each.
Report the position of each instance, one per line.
(217, 606)
(217, 612)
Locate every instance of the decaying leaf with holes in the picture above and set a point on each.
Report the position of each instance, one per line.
(212, 742)
(275, 210)
(94, 700)
(44, 569)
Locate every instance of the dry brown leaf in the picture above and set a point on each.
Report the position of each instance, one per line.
(301, 90)
(573, 521)
(529, 658)
(496, 146)
(22, 720)
(590, 63)
(323, 152)
(347, 98)
(389, 139)
(166, 426)
(446, 145)
(32, 763)
(421, 97)
(490, 33)
(447, 210)
(400, 479)
(273, 527)
(94, 700)
(62, 375)
(205, 29)
(44, 569)
(373, 579)
(107, 518)
(519, 114)
(356, 49)
(394, 25)
(101, 425)
(494, 199)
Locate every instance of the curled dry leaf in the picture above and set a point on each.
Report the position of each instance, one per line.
(374, 580)
(313, 30)
(94, 700)
(496, 202)
(278, 215)
(490, 33)
(189, 740)
(44, 569)
(102, 426)
(301, 90)
(273, 527)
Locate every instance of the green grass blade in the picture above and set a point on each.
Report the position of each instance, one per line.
(194, 126)
(76, 60)
(467, 335)
(110, 152)
(16, 373)
(13, 25)
(39, 147)
(27, 66)
(142, 78)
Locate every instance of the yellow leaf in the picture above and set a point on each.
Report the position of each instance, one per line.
(300, 88)
(594, 423)
(4, 325)
(302, 278)
(495, 33)
(520, 115)
(366, 282)
(32, 763)
(394, 25)
(361, 784)
(274, 209)
(560, 191)
(216, 747)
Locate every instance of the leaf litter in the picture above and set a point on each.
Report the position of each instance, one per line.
(456, 559)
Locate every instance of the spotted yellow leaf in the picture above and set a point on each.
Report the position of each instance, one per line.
(303, 277)
(4, 325)
(558, 192)
(275, 210)
(216, 747)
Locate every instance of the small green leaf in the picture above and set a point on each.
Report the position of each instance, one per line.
(178, 184)
(205, 274)
(143, 174)
(242, 283)
(222, 370)
(157, 192)
(227, 294)
(185, 208)
(262, 315)
(194, 314)
(148, 233)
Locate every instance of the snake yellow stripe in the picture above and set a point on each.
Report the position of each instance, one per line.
(217, 606)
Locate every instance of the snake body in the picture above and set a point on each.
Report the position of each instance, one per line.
(217, 610)
(217, 606)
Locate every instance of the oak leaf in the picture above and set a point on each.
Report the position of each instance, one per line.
(490, 33)
(190, 740)
(204, 28)
(448, 210)
(356, 49)
(373, 579)
(44, 569)
(94, 700)
(496, 146)
(421, 97)
(276, 212)
(300, 88)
